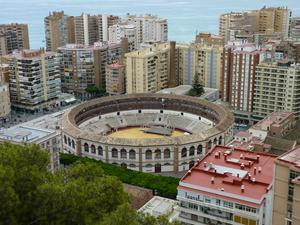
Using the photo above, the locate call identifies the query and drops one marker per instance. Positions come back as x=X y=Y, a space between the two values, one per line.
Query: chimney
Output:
x=205 y=163
x=241 y=156
x=216 y=155
x=212 y=180
x=242 y=166
x=238 y=175
x=257 y=158
x=243 y=188
x=254 y=170
x=172 y=82
x=259 y=169
x=225 y=156
x=253 y=179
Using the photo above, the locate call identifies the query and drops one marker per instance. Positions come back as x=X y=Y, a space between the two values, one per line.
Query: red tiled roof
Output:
x=231 y=169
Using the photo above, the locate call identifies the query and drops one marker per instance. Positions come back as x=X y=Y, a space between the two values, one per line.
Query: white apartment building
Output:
x=34 y=79
x=119 y=31
x=150 y=28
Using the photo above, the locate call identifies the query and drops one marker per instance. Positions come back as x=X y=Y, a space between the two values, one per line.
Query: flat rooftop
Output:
x=232 y=174
x=179 y=90
x=35 y=129
x=161 y=206
x=275 y=119
x=292 y=157
x=24 y=134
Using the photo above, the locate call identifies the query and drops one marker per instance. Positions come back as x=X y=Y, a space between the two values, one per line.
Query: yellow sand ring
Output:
x=138 y=133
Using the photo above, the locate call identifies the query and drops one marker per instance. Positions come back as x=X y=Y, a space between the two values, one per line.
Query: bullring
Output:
x=91 y=129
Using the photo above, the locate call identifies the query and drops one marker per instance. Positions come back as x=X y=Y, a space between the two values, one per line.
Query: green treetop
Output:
x=81 y=194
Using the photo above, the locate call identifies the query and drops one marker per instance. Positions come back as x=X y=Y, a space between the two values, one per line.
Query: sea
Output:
x=185 y=17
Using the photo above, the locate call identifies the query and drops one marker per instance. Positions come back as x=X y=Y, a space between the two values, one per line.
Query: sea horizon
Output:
x=185 y=17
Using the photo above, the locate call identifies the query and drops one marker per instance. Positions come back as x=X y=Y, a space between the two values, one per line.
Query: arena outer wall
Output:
x=172 y=154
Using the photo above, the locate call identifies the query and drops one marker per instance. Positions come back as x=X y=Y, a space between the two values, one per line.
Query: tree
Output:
x=30 y=194
x=197 y=89
x=125 y=215
x=81 y=194
x=94 y=91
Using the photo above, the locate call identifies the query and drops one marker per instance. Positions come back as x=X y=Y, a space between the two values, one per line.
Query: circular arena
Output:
x=146 y=132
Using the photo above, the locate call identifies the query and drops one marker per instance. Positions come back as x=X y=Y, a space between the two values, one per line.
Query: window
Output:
x=192 y=151
x=69 y=142
x=65 y=139
x=148 y=154
x=73 y=144
x=86 y=147
x=207 y=200
x=228 y=204
x=157 y=154
x=209 y=145
x=167 y=154
x=114 y=153
x=93 y=149
x=199 y=150
x=183 y=152
x=100 y=150
x=215 y=141
x=123 y=154
x=132 y=154
x=220 y=140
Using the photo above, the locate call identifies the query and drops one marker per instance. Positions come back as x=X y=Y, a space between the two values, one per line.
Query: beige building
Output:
x=276 y=88
x=4 y=97
x=209 y=39
x=86 y=29
x=286 y=205
x=229 y=21
x=34 y=79
x=83 y=66
x=115 y=78
x=92 y=28
x=59 y=30
x=13 y=36
x=147 y=70
x=273 y=20
x=189 y=60
x=295 y=28
x=266 y=20
x=208 y=64
x=202 y=60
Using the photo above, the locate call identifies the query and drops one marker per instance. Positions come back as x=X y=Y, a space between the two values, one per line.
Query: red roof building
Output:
x=228 y=186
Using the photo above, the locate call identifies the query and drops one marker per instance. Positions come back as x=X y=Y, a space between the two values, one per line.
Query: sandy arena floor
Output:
x=138 y=133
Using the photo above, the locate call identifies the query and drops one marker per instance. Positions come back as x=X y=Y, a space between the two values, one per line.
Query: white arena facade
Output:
x=146 y=132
